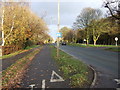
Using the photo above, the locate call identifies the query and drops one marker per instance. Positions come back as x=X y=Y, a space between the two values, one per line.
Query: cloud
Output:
x=68 y=10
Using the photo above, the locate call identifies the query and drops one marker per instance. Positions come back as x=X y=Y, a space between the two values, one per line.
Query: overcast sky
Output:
x=68 y=11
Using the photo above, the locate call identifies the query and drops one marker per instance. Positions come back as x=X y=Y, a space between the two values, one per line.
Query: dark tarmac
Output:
x=39 y=73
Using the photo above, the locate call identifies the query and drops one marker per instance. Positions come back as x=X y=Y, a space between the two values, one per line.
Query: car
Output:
x=63 y=43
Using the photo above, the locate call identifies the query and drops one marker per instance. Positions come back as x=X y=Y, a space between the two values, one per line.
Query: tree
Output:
x=22 y=26
x=99 y=27
x=84 y=19
x=64 y=32
x=113 y=7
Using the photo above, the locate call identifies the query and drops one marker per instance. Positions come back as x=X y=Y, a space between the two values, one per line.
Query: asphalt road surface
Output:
x=104 y=62
x=7 y=62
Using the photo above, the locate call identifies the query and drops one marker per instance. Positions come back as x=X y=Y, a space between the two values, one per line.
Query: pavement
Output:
x=104 y=62
x=44 y=73
x=7 y=62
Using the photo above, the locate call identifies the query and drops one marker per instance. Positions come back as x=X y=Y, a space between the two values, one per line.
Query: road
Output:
x=104 y=62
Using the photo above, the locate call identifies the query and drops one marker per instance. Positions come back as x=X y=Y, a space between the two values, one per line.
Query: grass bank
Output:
x=115 y=49
x=18 y=52
x=106 y=47
x=12 y=75
x=79 y=74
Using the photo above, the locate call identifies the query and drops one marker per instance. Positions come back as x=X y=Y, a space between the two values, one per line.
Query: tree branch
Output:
x=11 y=28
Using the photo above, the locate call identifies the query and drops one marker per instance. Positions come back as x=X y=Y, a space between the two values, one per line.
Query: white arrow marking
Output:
x=43 y=84
x=56 y=80
x=32 y=85
x=117 y=80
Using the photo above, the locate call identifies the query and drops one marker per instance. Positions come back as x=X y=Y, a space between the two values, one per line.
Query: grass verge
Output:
x=12 y=75
x=113 y=49
x=18 y=52
x=79 y=74
x=90 y=45
x=106 y=47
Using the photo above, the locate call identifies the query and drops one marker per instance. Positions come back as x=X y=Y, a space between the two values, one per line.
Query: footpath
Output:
x=7 y=62
x=44 y=73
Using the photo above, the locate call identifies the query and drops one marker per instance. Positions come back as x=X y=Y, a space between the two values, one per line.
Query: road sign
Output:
x=59 y=34
x=60 y=79
x=116 y=38
x=84 y=40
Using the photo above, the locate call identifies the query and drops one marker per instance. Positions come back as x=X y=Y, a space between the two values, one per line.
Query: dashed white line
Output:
x=43 y=84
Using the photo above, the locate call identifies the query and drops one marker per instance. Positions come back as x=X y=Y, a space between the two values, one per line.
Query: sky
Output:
x=69 y=10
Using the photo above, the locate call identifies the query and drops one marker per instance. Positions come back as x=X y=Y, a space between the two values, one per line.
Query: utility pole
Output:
x=3 y=39
x=58 y=28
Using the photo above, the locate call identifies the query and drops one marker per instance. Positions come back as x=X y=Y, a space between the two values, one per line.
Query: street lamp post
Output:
x=58 y=28
x=116 y=39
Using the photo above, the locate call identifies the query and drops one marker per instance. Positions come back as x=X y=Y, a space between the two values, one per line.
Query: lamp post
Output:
x=116 y=39
x=58 y=28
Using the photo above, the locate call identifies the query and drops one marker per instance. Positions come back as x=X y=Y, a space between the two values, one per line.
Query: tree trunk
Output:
x=95 y=42
x=3 y=39
x=87 y=41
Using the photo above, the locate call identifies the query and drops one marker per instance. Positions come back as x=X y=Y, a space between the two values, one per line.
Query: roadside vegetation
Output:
x=79 y=74
x=11 y=77
x=19 y=52
x=115 y=49
x=20 y=27
x=91 y=26
x=105 y=47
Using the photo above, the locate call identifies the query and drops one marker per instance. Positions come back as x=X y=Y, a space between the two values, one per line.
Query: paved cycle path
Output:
x=44 y=73
x=7 y=62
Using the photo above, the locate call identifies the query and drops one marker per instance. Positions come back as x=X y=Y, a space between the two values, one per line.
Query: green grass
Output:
x=74 y=70
x=12 y=74
x=90 y=45
x=12 y=54
x=107 y=47
x=18 y=52
x=33 y=46
x=115 y=49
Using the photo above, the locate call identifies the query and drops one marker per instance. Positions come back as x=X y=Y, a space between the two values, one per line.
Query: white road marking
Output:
x=43 y=84
x=56 y=80
x=117 y=80
x=32 y=85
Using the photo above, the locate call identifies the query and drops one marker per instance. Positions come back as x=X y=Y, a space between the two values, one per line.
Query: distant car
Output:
x=63 y=43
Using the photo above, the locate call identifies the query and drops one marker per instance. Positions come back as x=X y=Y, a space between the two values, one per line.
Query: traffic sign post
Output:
x=59 y=34
x=116 y=39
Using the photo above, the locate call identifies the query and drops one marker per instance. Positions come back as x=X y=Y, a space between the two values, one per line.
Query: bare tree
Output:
x=84 y=19
x=113 y=7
